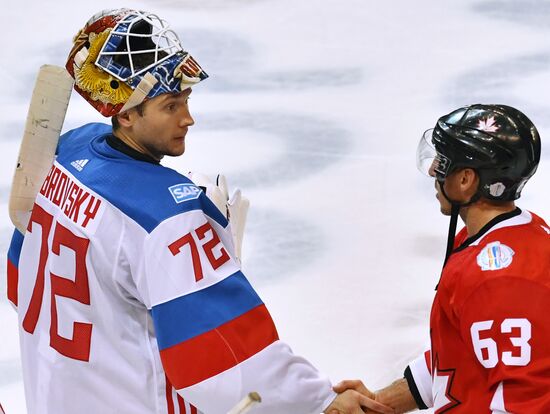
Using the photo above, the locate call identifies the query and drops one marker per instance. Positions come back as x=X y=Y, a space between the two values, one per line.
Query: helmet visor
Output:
x=428 y=161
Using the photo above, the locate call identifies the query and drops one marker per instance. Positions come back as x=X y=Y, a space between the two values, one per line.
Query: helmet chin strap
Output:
x=455 y=210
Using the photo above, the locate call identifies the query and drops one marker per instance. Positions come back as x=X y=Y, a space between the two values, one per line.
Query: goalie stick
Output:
x=47 y=109
x=246 y=403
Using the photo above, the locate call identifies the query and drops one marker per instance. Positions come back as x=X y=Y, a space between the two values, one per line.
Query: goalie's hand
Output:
x=235 y=209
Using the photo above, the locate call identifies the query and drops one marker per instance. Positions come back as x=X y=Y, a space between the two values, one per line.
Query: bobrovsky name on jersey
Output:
x=76 y=202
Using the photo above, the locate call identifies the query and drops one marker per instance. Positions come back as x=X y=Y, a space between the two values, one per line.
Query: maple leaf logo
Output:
x=488 y=125
x=442 y=384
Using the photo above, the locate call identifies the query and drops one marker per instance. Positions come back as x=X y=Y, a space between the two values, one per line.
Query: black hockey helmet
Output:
x=497 y=141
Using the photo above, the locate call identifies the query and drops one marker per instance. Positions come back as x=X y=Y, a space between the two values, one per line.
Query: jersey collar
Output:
x=119 y=145
x=516 y=217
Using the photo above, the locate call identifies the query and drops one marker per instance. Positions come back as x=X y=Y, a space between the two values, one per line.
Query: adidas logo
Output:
x=79 y=164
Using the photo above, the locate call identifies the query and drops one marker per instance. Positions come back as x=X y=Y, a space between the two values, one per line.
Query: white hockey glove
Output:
x=235 y=209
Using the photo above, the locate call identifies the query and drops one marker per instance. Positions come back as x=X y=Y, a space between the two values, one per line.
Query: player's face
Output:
x=162 y=128
x=460 y=185
x=444 y=204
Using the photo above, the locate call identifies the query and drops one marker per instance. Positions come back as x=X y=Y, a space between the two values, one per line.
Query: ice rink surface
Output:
x=314 y=109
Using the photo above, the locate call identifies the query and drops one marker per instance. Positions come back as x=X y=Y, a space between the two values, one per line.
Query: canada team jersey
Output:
x=131 y=301
x=489 y=324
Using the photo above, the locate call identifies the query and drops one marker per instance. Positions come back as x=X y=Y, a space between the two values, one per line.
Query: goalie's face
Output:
x=160 y=128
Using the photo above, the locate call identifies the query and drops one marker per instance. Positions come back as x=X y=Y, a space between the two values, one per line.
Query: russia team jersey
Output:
x=489 y=324
x=130 y=299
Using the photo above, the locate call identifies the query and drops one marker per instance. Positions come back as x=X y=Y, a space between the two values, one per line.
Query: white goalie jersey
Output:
x=130 y=299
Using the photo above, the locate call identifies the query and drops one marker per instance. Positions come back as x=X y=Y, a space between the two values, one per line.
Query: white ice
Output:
x=315 y=108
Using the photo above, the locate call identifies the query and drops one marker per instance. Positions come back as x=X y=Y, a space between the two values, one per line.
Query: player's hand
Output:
x=397 y=395
x=356 y=385
x=353 y=402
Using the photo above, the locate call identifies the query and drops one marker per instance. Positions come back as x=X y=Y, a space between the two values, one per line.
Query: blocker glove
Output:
x=235 y=209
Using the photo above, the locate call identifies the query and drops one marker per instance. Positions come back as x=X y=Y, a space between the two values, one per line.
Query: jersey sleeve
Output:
x=216 y=338
x=419 y=378
x=505 y=322
x=14 y=252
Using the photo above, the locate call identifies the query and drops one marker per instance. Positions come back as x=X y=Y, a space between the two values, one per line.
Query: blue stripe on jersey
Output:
x=188 y=316
x=139 y=189
x=15 y=247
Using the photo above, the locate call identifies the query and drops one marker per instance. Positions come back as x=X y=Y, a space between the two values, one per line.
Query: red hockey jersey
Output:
x=489 y=327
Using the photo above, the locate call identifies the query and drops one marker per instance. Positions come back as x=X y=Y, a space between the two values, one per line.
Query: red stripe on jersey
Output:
x=193 y=409
x=169 y=400
x=13 y=280
x=181 y=405
x=215 y=351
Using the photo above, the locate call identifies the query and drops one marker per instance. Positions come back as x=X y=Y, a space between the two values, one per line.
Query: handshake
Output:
x=354 y=398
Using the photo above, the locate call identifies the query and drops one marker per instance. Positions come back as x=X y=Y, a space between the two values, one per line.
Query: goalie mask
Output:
x=124 y=57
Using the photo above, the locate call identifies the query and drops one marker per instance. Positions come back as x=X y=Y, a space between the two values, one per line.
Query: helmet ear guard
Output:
x=123 y=57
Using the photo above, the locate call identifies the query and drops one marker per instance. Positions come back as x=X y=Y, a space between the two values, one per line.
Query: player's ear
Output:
x=126 y=119
x=469 y=179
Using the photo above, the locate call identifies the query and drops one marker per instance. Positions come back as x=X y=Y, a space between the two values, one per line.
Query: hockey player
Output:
x=127 y=284
x=489 y=326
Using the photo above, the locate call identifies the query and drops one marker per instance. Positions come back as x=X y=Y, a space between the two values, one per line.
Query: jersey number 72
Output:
x=208 y=247
x=77 y=347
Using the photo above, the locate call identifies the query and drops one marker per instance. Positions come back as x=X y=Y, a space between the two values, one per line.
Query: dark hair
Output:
x=140 y=109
